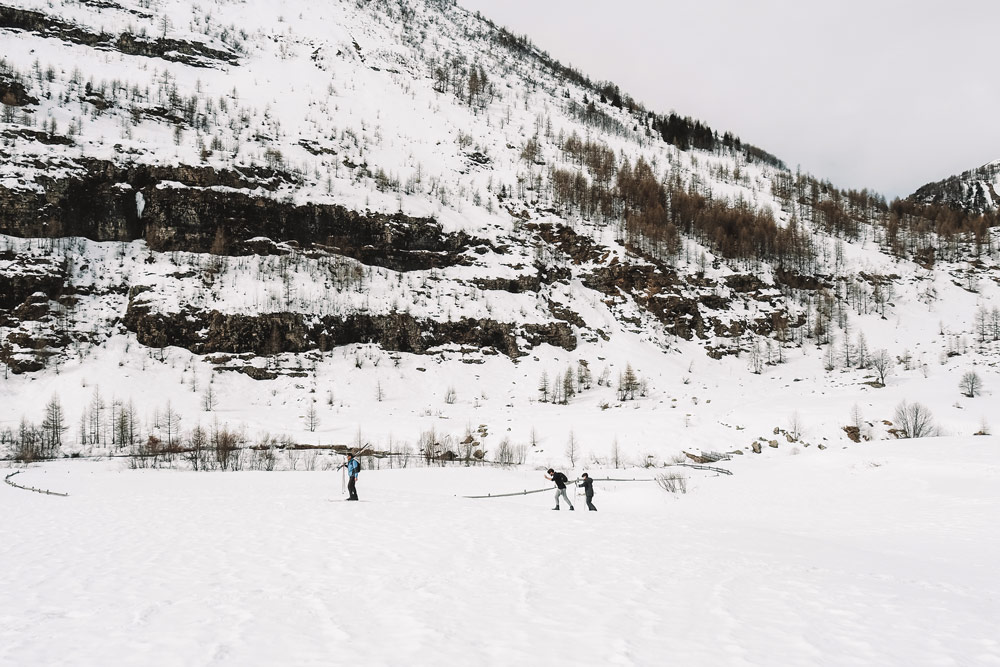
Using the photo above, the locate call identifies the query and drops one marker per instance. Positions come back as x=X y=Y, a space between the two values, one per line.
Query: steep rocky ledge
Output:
x=21 y=278
x=655 y=292
x=273 y=333
x=176 y=208
x=188 y=52
x=13 y=93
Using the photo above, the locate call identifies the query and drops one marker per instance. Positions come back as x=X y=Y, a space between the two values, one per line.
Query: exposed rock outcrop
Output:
x=182 y=210
x=191 y=53
x=13 y=93
x=655 y=291
x=272 y=333
x=580 y=249
x=519 y=285
x=21 y=279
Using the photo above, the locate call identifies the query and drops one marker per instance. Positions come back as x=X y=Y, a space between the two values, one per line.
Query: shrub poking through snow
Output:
x=672 y=482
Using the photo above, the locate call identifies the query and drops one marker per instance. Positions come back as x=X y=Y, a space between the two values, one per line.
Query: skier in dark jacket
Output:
x=588 y=488
x=353 y=470
x=560 y=480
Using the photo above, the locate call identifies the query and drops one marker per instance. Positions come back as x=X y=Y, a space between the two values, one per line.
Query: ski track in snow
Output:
x=804 y=560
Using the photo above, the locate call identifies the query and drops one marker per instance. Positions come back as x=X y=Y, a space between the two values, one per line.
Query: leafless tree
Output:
x=208 y=399
x=982 y=325
x=53 y=427
x=857 y=419
x=572 y=450
x=312 y=417
x=756 y=357
x=830 y=357
x=557 y=389
x=543 y=387
x=27 y=443
x=628 y=384
x=95 y=423
x=914 y=421
x=172 y=424
x=568 y=385
x=505 y=454
x=971 y=384
x=427 y=444
x=848 y=348
x=861 y=350
x=197 y=446
x=226 y=444
x=882 y=362
x=583 y=376
x=795 y=425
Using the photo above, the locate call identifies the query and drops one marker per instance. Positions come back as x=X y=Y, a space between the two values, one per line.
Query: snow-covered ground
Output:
x=877 y=554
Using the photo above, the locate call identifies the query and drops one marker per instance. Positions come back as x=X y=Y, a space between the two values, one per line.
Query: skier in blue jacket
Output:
x=353 y=470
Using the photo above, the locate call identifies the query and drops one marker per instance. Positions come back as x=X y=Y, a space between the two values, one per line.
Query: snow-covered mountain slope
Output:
x=974 y=190
x=394 y=222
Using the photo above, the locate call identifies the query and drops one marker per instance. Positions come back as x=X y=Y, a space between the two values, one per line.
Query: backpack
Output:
x=561 y=478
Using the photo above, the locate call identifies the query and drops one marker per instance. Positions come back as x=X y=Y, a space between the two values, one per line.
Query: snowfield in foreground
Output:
x=883 y=553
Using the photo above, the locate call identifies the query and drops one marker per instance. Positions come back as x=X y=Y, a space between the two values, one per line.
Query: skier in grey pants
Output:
x=560 y=480
x=588 y=488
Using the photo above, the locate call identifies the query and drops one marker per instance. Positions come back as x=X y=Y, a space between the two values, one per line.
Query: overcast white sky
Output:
x=882 y=94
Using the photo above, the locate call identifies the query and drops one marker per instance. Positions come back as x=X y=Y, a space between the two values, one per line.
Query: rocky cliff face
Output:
x=223 y=212
x=22 y=278
x=13 y=93
x=274 y=333
x=199 y=209
x=191 y=53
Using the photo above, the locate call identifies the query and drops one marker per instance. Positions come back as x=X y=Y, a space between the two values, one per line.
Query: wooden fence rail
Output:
x=31 y=488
